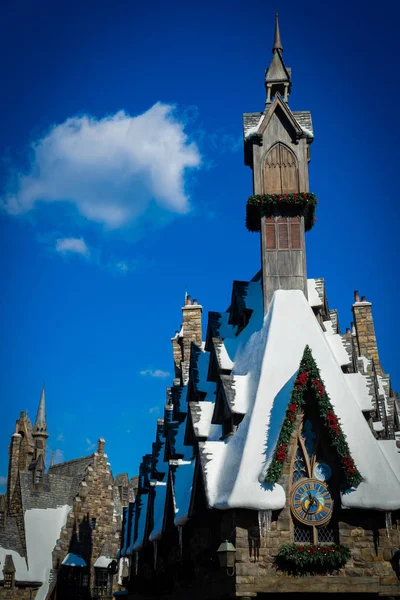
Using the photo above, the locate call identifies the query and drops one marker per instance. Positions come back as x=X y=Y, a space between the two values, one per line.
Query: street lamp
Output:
x=226 y=556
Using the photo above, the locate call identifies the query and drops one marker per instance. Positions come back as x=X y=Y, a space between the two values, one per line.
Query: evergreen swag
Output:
x=308 y=559
x=309 y=377
x=264 y=205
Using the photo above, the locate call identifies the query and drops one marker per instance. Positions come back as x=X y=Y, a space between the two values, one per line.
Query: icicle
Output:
x=155 y=555
x=136 y=562
x=264 y=522
x=180 y=539
x=388 y=519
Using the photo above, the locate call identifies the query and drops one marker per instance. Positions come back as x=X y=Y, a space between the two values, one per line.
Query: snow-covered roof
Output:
x=314 y=297
x=183 y=485
x=102 y=562
x=42 y=529
x=235 y=468
x=358 y=384
x=141 y=508
x=160 y=495
x=202 y=413
x=74 y=560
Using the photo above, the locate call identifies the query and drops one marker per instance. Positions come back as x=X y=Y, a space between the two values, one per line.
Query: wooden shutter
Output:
x=289 y=171
x=270 y=234
x=272 y=172
x=283 y=235
x=295 y=238
x=281 y=175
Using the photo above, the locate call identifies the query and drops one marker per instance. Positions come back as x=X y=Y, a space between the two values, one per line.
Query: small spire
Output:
x=52 y=458
x=41 y=413
x=277 y=37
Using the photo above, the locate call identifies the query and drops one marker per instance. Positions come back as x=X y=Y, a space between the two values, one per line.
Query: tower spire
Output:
x=277 y=37
x=40 y=423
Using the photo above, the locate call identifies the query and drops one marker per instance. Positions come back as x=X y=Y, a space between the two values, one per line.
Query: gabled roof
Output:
x=234 y=469
x=279 y=104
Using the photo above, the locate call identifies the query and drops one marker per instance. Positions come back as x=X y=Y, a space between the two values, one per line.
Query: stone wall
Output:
x=17 y=593
x=95 y=500
x=368 y=571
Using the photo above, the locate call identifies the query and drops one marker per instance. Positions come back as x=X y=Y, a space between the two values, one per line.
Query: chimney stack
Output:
x=365 y=330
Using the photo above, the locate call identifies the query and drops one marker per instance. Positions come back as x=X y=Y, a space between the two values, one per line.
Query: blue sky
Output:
x=123 y=186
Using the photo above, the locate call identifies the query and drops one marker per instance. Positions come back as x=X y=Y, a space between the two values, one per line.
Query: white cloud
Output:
x=74 y=245
x=90 y=445
x=154 y=373
x=60 y=437
x=110 y=168
x=154 y=410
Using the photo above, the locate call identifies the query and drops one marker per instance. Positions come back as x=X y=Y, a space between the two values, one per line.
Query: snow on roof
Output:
x=307 y=132
x=235 y=468
x=42 y=530
x=141 y=522
x=21 y=569
x=102 y=562
x=160 y=495
x=358 y=385
x=338 y=349
x=125 y=530
x=132 y=516
x=329 y=330
x=202 y=413
x=73 y=560
x=392 y=454
x=183 y=490
x=240 y=402
x=224 y=360
x=313 y=296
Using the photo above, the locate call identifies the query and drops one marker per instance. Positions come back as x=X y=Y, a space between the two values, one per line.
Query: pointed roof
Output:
x=277 y=37
x=235 y=469
x=40 y=422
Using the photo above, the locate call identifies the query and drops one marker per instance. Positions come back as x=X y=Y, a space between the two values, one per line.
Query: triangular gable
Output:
x=277 y=104
x=309 y=378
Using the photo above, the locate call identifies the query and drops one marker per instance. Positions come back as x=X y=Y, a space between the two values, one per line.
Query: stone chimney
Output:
x=101 y=445
x=365 y=330
x=191 y=326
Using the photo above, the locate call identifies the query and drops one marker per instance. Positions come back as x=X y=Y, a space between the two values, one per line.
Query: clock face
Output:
x=311 y=502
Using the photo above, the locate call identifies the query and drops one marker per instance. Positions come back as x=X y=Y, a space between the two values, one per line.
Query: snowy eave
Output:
x=314 y=298
x=253 y=131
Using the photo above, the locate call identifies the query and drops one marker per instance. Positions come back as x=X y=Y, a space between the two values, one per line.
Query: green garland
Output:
x=309 y=377
x=264 y=205
x=300 y=560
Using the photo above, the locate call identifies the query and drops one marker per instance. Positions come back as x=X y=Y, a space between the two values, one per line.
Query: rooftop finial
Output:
x=277 y=37
x=41 y=413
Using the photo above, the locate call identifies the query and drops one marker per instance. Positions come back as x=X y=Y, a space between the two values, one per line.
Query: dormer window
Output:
x=8 y=580
x=38 y=477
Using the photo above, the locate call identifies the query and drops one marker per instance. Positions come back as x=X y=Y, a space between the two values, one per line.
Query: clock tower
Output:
x=277 y=149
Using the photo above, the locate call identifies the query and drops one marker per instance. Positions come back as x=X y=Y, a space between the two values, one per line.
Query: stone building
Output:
x=276 y=467
x=60 y=529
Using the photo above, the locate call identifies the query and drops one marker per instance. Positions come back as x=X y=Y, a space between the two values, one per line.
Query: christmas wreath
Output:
x=309 y=376
x=265 y=205
x=301 y=560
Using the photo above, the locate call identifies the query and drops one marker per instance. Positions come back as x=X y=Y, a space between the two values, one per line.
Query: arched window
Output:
x=281 y=172
x=309 y=462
